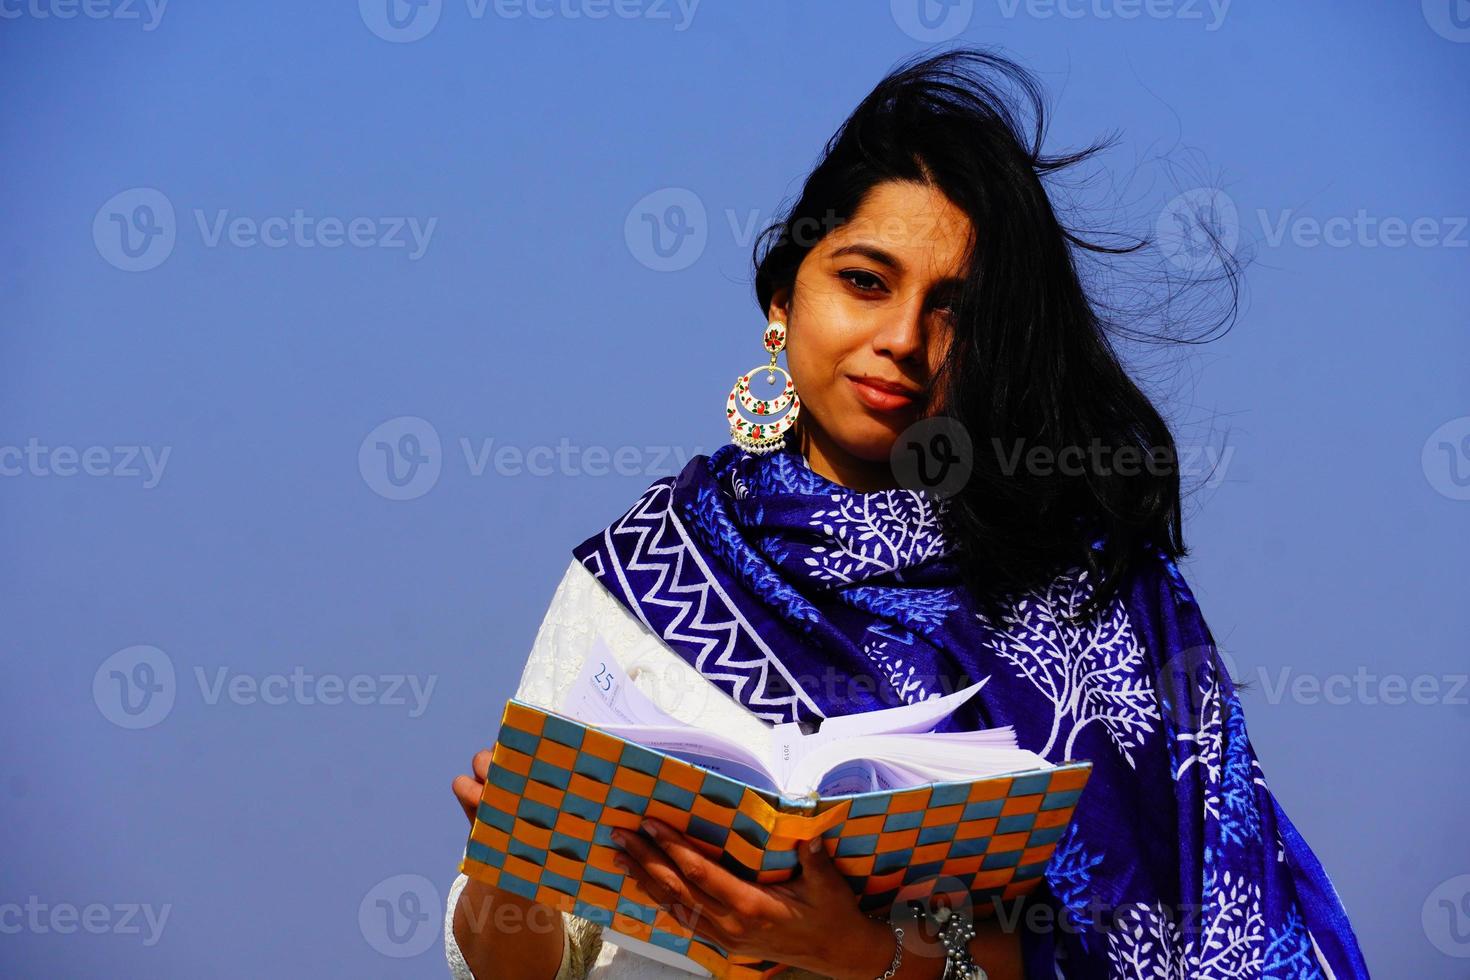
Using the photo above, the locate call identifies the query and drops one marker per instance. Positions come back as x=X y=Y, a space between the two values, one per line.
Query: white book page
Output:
x=605 y=697
x=886 y=749
x=841 y=756
x=790 y=745
x=921 y=716
x=603 y=693
x=915 y=759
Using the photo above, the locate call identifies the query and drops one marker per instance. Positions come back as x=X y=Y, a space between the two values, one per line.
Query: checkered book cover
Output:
x=556 y=788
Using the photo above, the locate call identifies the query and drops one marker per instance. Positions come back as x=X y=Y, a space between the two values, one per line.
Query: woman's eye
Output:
x=862 y=280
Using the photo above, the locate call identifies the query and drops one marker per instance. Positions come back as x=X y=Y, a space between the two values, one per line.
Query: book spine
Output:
x=803 y=804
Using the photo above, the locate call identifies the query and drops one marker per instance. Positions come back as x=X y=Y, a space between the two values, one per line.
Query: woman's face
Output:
x=869 y=324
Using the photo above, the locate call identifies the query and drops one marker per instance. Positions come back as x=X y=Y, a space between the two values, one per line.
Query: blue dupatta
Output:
x=802 y=600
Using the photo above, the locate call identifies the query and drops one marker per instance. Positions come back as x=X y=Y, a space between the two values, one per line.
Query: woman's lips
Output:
x=883 y=396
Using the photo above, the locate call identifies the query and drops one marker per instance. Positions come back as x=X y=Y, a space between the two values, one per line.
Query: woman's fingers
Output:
x=819 y=878
x=713 y=879
x=691 y=916
x=678 y=901
x=673 y=885
x=467 y=789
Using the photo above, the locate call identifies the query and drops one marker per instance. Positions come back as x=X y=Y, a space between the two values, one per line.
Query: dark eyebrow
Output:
x=873 y=252
x=889 y=260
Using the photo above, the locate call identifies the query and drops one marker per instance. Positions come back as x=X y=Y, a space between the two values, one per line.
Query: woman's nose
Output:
x=901 y=333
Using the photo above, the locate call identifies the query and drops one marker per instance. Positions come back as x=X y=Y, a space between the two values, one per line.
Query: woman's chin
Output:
x=873 y=445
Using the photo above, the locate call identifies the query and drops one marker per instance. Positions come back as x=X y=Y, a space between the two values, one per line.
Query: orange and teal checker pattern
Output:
x=556 y=788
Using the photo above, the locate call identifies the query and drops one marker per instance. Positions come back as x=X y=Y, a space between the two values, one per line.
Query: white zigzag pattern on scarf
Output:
x=706 y=619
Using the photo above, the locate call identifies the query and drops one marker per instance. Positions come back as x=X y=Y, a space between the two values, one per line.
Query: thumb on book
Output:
x=814 y=858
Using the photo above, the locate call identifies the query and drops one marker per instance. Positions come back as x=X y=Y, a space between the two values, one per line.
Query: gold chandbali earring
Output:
x=756 y=430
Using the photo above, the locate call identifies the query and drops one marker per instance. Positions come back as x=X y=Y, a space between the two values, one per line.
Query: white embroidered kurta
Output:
x=580 y=610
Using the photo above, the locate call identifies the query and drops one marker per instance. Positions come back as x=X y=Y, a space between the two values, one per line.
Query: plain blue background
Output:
x=1331 y=543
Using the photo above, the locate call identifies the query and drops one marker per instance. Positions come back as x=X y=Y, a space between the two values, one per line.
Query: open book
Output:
x=906 y=813
x=889 y=748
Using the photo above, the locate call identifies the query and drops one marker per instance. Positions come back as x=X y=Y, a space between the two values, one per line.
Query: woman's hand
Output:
x=467 y=789
x=501 y=935
x=812 y=922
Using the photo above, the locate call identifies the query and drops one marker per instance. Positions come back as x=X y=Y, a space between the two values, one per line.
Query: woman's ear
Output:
x=780 y=308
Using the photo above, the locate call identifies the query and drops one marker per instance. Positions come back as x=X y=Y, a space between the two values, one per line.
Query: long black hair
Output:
x=1033 y=363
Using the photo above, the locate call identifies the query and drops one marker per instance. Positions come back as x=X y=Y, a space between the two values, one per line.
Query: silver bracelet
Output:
x=897 y=950
x=956 y=931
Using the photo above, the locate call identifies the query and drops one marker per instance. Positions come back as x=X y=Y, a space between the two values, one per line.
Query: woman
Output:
x=922 y=278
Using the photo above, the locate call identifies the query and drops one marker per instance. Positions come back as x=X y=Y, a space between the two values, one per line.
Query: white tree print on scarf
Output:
x=1146 y=942
x=875 y=533
x=902 y=676
x=1091 y=671
x=1220 y=750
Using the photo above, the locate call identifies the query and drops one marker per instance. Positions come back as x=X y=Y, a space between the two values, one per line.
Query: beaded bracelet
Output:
x=955 y=933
